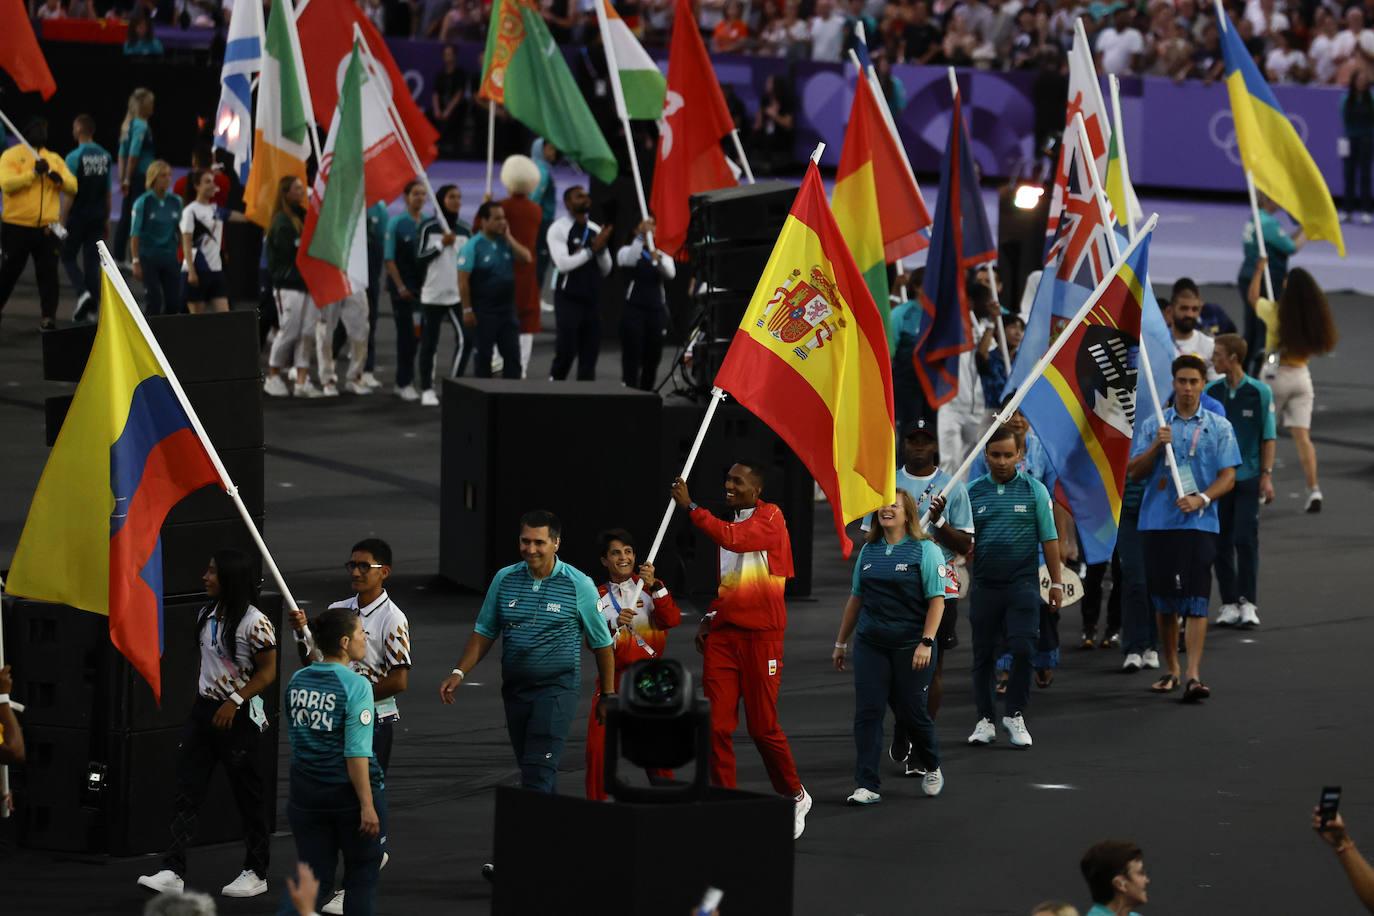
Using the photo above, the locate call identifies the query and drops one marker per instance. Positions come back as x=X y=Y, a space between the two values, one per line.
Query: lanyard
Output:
x=214 y=636
x=610 y=593
x=1197 y=433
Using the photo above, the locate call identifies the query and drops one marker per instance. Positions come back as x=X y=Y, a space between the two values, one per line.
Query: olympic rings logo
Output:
x=1222 y=130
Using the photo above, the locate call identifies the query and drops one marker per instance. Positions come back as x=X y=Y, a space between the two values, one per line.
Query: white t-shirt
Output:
x=1344 y=44
x=388 y=644
x=220 y=673
x=1282 y=64
x=1118 y=48
x=440 y=286
x=1322 y=54
x=827 y=37
x=1278 y=22
x=202 y=223
x=1199 y=344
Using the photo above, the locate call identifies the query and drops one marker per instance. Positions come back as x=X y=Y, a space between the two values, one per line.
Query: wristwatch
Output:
x=927 y=642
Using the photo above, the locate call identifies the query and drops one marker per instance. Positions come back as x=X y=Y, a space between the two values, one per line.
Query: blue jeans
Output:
x=883 y=675
x=1013 y=610
x=538 y=717
x=322 y=835
x=1139 y=630
x=1237 y=561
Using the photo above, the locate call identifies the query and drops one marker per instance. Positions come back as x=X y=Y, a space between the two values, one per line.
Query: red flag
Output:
x=19 y=53
x=695 y=120
x=326 y=29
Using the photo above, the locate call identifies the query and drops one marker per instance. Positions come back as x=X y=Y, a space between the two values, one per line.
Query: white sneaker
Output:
x=983 y=733
x=164 y=882
x=1249 y=615
x=356 y=387
x=1133 y=662
x=247 y=884
x=1016 y=730
x=428 y=398
x=1367 y=218
x=1229 y=616
x=370 y=380
x=862 y=796
x=335 y=905
x=933 y=782
x=275 y=387
x=307 y=389
x=801 y=805
x=1150 y=659
x=408 y=393
x=330 y=390
x=1314 y=501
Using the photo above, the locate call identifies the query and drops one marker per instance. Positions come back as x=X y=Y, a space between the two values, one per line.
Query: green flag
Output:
x=524 y=70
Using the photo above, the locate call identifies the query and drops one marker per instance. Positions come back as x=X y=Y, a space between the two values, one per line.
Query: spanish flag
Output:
x=127 y=453
x=810 y=360
x=1271 y=149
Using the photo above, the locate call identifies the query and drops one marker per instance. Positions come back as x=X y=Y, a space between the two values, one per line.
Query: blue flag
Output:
x=959 y=239
x=242 y=58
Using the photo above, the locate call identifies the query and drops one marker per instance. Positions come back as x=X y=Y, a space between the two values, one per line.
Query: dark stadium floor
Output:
x=1218 y=795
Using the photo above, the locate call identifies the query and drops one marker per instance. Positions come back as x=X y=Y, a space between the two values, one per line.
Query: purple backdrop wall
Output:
x=1179 y=135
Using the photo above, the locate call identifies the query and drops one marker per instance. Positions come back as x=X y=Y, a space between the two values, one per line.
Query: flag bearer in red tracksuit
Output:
x=640 y=632
x=741 y=638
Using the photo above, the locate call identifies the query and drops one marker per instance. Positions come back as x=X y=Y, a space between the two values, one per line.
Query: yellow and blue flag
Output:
x=1271 y=149
x=1083 y=407
x=127 y=453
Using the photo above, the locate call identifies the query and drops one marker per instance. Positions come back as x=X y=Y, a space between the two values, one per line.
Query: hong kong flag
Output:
x=695 y=120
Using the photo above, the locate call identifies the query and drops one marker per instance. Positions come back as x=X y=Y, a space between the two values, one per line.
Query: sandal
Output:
x=1195 y=691
x=1167 y=684
x=1044 y=677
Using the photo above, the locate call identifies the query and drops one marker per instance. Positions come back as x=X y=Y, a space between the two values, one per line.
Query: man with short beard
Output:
x=1184 y=313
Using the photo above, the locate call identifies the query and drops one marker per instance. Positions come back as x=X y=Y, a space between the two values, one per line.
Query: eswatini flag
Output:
x=810 y=360
x=127 y=454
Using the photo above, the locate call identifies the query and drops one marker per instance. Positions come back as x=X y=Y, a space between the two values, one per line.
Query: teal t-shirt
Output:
x=399 y=246
x=491 y=265
x=329 y=718
x=1278 y=245
x=1250 y=408
x=137 y=145
x=542 y=623
x=156 y=224
x=894 y=582
x=91 y=165
x=1010 y=522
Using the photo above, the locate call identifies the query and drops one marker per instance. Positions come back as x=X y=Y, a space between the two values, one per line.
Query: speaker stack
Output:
x=101 y=752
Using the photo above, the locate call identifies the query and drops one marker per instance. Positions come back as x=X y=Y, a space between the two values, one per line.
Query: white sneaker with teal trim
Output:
x=1016 y=730
x=933 y=782
x=863 y=796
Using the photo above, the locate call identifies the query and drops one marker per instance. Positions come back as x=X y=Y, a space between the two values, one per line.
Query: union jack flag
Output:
x=1080 y=251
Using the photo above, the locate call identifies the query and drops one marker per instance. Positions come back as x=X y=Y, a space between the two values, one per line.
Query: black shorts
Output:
x=1178 y=564
x=947 y=636
x=211 y=286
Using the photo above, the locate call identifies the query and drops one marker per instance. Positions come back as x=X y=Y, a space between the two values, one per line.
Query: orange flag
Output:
x=19 y=53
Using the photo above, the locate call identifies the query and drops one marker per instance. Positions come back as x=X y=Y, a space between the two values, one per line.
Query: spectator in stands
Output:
x=448 y=104
x=154 y=238
x=1265 y=18
x=1357 y=115
x=136 y=154
x=788 y=36
x=827 y=32
x=140 y=41
x=774 y=133
x=1347 y=49
x=1357 y=867
x=432 y=16
x=858 y=19
x=1321 y=52
x=731 y=34
x=455 y=22
x=1115 y=872
x=1029 y=39
x=51 y=9
x=960 y=41
x=372 y=9
x=920 y=37
x=1208 y=61
x=894 y=90
x=709 y=15
x=1286 y=63
x=1120 y=46
x=1170 y=52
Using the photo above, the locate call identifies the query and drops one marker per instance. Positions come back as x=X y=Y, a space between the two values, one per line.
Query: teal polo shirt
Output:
x=491 y=266
x=542 y=623
x=137 y=147
x=156 y=224
x=91 y=165
x=399 y=246
x=893 y=583
x=1010 y=522
x=329 y=718
x=1250 y=408
x=1203 y=444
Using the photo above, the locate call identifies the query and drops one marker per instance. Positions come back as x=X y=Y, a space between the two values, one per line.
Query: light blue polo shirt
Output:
x=923 y=490
x=542 y=623
x=1203 y=444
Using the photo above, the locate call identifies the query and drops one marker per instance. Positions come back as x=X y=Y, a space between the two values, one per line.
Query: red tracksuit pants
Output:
x=739 y=665
x=596 y=753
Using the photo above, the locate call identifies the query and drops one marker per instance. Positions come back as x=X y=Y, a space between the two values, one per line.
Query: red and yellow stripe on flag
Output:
x=810 y=360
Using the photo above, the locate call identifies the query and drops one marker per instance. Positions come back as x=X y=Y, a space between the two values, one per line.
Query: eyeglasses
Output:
x=360 y=566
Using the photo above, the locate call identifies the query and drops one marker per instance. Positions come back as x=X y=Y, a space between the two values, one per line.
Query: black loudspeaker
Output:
x=746 y=213
x=242 y=245
x=687 y=556
x=556 y=853
x=201 y=348
x=587 y=451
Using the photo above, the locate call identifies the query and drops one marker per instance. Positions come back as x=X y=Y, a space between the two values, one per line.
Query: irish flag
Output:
x=280 y=145
x=364 y=161
x=639 y=88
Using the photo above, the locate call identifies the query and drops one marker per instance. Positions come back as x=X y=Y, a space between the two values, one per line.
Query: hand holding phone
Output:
x=1329 y=805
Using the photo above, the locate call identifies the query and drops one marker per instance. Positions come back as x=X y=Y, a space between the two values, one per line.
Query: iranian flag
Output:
x=364 y=161
x=639 y=88
x=280 y=145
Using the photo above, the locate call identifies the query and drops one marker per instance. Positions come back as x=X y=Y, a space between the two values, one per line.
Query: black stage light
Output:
x=659 y=720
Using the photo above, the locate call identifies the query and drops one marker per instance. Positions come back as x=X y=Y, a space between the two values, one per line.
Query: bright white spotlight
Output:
x=1028 y=196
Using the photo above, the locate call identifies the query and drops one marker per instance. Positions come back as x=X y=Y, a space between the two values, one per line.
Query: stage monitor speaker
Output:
x=688 y=557
x=746 y=213
x=586 y=451
x=560 y=854
x=216 y=346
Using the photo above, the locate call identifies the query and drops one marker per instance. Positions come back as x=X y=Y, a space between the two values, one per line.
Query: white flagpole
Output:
x=992 y=265
x=618 y=92
x=4 y=770
x=1119 y=137
x=107 y=263
x=872 y=74
x=1012 y=405
x=1259 y=232
x=306 y=101
x=743 y=159
x=491 y=142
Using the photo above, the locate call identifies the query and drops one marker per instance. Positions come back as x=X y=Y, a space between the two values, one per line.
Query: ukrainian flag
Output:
x=1272 y=150
x=127 y=453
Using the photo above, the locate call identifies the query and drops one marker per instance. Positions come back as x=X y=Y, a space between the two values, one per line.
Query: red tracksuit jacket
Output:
x=651 y=628
x=755 y=564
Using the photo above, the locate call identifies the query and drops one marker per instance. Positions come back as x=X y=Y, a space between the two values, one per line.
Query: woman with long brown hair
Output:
x=896 y=601
x=1299 y=327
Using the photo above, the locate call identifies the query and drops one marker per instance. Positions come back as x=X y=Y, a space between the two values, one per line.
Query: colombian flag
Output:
x=1271 y=149
x=810 y=360
x=1083 y=407
x=127 y=453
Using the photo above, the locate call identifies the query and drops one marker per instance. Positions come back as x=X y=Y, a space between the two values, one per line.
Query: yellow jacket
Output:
x=31 y=199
